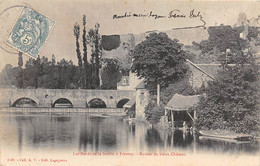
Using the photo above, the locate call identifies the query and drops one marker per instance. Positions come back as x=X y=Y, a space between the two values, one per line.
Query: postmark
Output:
x=30 y=32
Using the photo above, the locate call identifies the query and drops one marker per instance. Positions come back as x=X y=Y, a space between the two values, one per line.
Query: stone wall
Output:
x=78 y=98
x=142 y=99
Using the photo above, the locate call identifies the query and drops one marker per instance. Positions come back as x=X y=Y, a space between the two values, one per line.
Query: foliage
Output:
x=194 y=54
x=232 y=99
x=76 y=31
x=182 y=87
x=87 y=70
x=159 y=59
x=110 y=74
x=220 y=39
x=41 y=73
x=96 y=55
x=8 y=76
x=153 y=112
x=110 y=42
x=226 y=37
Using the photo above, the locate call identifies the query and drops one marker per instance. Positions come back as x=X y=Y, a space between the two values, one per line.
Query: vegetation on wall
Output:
x=220 y=39
x=110 y=42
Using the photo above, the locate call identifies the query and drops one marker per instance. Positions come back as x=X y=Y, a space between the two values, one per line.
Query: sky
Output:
x=65 y=13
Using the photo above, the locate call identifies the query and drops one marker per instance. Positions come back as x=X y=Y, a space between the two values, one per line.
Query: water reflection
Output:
x=82 y=132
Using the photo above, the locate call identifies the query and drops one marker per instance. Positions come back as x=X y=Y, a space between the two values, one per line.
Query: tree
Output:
x=153 y=112
x=232 y=99
x=76 y=30
x=159 y=59
x=96 y=55
x=8 y=76
x=42 y=73
x=76 y=34
x=223 y=37
x=87 y=72
x=110 y=74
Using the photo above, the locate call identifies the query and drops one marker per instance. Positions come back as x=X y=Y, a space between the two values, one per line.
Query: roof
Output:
x=130 y=103
x=209 y=69
x=182 y=103
x=124 y=81
x=141 y=85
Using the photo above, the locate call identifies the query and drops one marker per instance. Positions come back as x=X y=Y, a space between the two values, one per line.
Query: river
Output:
x=81 y=133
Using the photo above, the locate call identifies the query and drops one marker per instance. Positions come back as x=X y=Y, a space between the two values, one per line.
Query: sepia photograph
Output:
x=129 y=82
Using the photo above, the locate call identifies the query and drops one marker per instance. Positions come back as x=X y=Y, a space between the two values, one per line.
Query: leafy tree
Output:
x=96 y=55
x=232 y=99
x=153 y=112
x=42 y=73
x=76 y=30
x=110 y=74
x=159 y=59
x=87 y=69
x=8 y=76
x=32 y=73
x=223 y=37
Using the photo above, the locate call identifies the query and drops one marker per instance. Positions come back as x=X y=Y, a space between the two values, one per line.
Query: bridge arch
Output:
x=96 y=103
x=122 y=102
x=62 y=102
x=26 y=99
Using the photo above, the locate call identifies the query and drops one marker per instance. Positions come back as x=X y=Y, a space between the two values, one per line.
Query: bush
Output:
x=232 y=99
x=153 y=112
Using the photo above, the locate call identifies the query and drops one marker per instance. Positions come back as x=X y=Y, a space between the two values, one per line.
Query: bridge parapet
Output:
x=79 y=98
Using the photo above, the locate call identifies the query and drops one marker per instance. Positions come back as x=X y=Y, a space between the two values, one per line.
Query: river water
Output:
x=82 y=133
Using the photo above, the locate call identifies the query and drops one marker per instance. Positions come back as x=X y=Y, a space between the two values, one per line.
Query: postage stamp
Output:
x=30 y=32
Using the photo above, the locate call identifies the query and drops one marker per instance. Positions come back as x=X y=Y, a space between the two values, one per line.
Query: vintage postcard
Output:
x=129 y=82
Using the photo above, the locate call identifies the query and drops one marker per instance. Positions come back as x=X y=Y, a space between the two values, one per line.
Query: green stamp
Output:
x=30 y=32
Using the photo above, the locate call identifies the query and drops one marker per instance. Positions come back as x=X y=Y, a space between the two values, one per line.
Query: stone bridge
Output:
x=77 y=98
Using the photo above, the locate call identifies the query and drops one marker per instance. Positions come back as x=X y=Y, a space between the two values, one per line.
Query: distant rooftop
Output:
x=124 y=81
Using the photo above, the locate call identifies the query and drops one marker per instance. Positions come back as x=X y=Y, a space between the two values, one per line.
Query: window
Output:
x=124 y=81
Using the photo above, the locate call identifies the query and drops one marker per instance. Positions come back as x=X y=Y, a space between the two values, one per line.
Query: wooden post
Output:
x=158 y=94
x=194 y=117
x=172 y=118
